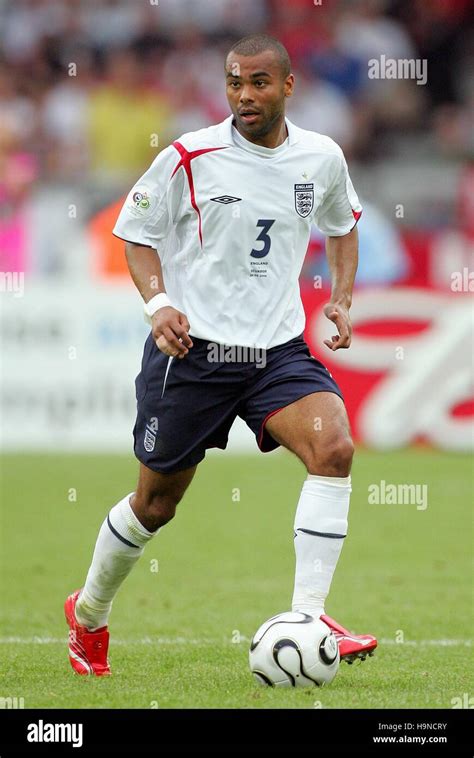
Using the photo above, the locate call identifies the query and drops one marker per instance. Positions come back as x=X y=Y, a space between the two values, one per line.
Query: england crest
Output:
x=304 y=199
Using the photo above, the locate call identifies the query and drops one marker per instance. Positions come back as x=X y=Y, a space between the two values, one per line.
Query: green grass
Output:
x=226 y=566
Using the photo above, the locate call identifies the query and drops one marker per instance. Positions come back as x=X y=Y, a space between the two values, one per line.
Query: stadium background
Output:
x=89 y=92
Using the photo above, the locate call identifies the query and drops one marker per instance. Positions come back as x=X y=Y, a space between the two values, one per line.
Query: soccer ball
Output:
x=294 y=649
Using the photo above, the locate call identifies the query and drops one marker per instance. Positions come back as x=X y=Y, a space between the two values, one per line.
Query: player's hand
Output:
x=339 y=315
x=170 y=331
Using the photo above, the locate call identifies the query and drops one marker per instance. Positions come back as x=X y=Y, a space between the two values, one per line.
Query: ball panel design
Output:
x=288 y=618
x=294 y=650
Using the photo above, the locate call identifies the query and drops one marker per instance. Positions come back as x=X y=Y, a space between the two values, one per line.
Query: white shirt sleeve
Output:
x=145 y=217
x=340 y=209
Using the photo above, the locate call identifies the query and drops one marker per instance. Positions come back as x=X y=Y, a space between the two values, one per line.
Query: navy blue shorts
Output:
x=187 y=405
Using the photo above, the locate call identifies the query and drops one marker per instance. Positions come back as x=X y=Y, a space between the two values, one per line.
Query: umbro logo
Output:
x=226 y=199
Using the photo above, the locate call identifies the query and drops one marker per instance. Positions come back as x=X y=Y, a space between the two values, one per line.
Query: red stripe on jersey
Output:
x=356 y=214
x=185 y=162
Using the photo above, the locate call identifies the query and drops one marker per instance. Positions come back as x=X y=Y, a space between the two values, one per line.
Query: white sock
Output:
x=320 y=528
x=120 y=544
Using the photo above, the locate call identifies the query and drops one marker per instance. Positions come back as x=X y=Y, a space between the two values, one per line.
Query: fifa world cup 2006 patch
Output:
x=140 y=201
x=304 y=199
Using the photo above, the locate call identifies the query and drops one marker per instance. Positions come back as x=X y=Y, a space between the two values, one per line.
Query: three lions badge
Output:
x=304 y=199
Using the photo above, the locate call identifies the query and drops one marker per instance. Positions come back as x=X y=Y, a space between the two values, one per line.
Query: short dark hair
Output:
x=258 y=43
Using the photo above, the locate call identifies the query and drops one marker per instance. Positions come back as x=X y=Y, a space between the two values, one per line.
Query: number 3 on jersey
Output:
x=264 y=237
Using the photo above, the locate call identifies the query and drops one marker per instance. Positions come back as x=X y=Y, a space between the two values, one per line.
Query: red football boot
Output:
x=351 y=646
x=87 y=650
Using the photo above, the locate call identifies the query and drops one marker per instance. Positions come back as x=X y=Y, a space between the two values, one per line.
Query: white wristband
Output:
x=157 y=301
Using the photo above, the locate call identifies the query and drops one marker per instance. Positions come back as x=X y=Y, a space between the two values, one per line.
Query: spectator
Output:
x=64 y=119
x=18 y=170
x=128 y=123
x=382 y=256
x=321 y=107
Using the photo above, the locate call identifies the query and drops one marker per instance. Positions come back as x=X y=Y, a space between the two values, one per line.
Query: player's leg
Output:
x=183 y=408
x=157 y=495
x=316 y=429
x=122 y=538
x=128 y=527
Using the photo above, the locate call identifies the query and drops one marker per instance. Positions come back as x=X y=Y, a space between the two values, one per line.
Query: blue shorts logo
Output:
x=149 y=441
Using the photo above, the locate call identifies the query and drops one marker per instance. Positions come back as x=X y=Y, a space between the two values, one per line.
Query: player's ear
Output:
x=289 y=85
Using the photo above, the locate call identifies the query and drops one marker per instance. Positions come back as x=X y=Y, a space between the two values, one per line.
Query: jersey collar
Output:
x=225 y=132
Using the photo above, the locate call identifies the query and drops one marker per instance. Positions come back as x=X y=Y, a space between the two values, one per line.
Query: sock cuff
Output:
x=323 y=506
x=134 y=522
x=336 y=481
x=126 y=526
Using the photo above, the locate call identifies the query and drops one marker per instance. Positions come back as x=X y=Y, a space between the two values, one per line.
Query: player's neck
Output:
x=274 y=138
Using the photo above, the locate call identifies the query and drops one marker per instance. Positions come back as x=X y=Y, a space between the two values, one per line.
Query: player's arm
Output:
x=342 y=256
x=169 y=326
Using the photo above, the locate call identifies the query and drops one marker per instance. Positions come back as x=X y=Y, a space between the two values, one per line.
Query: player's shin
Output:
x=320 y=528
x=119 y=545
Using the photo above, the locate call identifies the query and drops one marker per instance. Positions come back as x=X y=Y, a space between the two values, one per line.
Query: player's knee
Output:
x=333 y=458
x=155 y=509
x=162 y=508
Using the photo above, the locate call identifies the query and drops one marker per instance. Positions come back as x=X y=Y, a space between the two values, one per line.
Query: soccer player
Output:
x=216 y=232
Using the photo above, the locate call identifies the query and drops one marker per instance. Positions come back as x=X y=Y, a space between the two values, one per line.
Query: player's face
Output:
x=256 y=91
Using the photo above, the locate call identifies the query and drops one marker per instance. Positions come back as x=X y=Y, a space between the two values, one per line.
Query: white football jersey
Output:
x=231 y=222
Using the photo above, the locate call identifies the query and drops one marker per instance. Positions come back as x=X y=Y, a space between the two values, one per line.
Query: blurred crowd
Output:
x=90 y=90
x=84 y=84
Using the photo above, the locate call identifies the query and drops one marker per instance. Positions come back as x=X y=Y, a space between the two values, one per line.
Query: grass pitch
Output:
x=181 y=623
